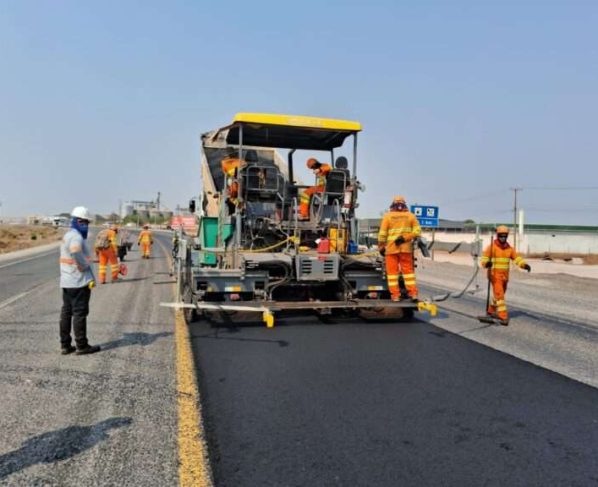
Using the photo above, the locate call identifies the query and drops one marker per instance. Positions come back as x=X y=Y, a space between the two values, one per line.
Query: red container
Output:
x=324 y=246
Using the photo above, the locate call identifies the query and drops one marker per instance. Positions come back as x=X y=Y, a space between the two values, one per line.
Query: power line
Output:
x=562 y=210
x=479 y=196
x=561 y=188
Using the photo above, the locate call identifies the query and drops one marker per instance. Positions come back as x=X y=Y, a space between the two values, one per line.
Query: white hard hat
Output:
x=81 y=212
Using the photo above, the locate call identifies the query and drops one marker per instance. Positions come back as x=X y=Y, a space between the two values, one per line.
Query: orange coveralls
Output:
x=109 y=256
x=501 y=257
x=399 y=258
x=230 y=166
x=145 y=241
x=305 y=197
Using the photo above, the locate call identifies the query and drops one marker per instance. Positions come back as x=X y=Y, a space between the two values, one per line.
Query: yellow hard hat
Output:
x=398 y=199
x=502 y=229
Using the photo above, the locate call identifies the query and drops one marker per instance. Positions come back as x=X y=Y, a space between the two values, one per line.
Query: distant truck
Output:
x=60 y=221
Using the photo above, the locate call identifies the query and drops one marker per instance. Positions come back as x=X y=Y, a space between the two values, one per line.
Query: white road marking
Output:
x=9 y=301
x=39 y=256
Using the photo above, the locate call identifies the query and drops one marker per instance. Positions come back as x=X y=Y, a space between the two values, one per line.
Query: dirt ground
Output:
x=19 y=237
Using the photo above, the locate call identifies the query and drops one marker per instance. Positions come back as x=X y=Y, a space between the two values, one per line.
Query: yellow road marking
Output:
x=194 y=466
x=194 y=469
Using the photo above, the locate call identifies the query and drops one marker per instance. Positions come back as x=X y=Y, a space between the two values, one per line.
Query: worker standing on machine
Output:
x=145 y=241
x=230 y=167
x=321 y=171
x=497 y=259
x=398 y=229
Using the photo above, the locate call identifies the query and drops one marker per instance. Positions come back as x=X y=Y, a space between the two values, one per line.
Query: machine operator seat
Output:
x=337 y=180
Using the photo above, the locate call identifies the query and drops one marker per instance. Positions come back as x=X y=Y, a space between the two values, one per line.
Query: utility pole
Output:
x=515 y=191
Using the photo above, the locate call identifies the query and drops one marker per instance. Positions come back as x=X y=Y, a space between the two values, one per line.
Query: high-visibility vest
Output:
x=396 y=224
x=501 y=257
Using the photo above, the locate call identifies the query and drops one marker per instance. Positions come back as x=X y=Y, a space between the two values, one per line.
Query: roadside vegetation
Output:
x=18 y=237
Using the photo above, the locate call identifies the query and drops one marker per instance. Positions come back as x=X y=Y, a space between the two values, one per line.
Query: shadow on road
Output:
x=126 y=279
x=58 y=445
x=138 y=338
x=218 y=336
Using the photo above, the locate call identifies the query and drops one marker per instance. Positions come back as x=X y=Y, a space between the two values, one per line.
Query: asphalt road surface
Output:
x=307 y=403
x=102 y=419
x=387 y=404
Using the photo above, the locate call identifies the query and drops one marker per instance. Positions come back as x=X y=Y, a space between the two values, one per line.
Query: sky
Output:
x=459 y=100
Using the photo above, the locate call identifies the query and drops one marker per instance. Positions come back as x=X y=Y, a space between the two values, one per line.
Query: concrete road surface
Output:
x=103 y=419
x=307 y=403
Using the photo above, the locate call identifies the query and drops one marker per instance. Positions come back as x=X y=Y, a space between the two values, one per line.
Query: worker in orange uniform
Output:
x=106 y=247
x=398 y=229
x=497 y=259
x=230 y=167
x=145 y=241
x=321 y=171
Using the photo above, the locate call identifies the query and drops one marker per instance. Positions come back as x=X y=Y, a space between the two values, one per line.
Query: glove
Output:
x=91 y=284
x=382 y=252
x=400 y=240
x=527 y=267
x=488 y=265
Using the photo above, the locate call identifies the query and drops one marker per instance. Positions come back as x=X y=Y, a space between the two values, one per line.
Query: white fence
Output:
x=529 y=243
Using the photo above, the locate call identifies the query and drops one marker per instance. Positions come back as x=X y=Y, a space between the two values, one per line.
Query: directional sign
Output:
x=427 y=216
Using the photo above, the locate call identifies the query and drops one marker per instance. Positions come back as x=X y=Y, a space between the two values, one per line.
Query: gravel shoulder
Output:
x=102 y=419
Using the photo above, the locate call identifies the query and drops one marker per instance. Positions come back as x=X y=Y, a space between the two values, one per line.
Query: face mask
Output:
x=81 y=227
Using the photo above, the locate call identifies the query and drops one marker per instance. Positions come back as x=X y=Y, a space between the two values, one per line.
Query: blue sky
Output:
x=460 y=101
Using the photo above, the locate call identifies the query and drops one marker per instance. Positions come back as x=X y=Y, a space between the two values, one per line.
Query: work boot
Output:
x=504 y=322
x=414 y=299
x=87 y=350
x=396 y=299
x=66 y=349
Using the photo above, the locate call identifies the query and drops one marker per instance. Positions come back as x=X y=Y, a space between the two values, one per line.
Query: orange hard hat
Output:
x=312 y=163
x=502 y=229
x=398 y=199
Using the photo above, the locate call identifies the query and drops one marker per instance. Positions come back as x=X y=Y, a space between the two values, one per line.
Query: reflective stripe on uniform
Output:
x=501 y=263
x=409 y=279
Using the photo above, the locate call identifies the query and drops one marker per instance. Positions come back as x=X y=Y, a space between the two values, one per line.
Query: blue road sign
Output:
x=427 y=216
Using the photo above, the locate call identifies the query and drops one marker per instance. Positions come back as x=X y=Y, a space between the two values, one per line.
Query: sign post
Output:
x=427 y=216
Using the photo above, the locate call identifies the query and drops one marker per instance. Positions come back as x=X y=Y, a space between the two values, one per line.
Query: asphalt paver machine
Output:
x=250 y=251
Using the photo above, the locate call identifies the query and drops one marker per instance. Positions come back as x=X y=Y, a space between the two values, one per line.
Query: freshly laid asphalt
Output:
x=386 y=404
x=307 y=403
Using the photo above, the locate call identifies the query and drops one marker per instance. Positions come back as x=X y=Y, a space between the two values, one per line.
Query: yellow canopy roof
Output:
x=290 y=131
x=298 y=121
